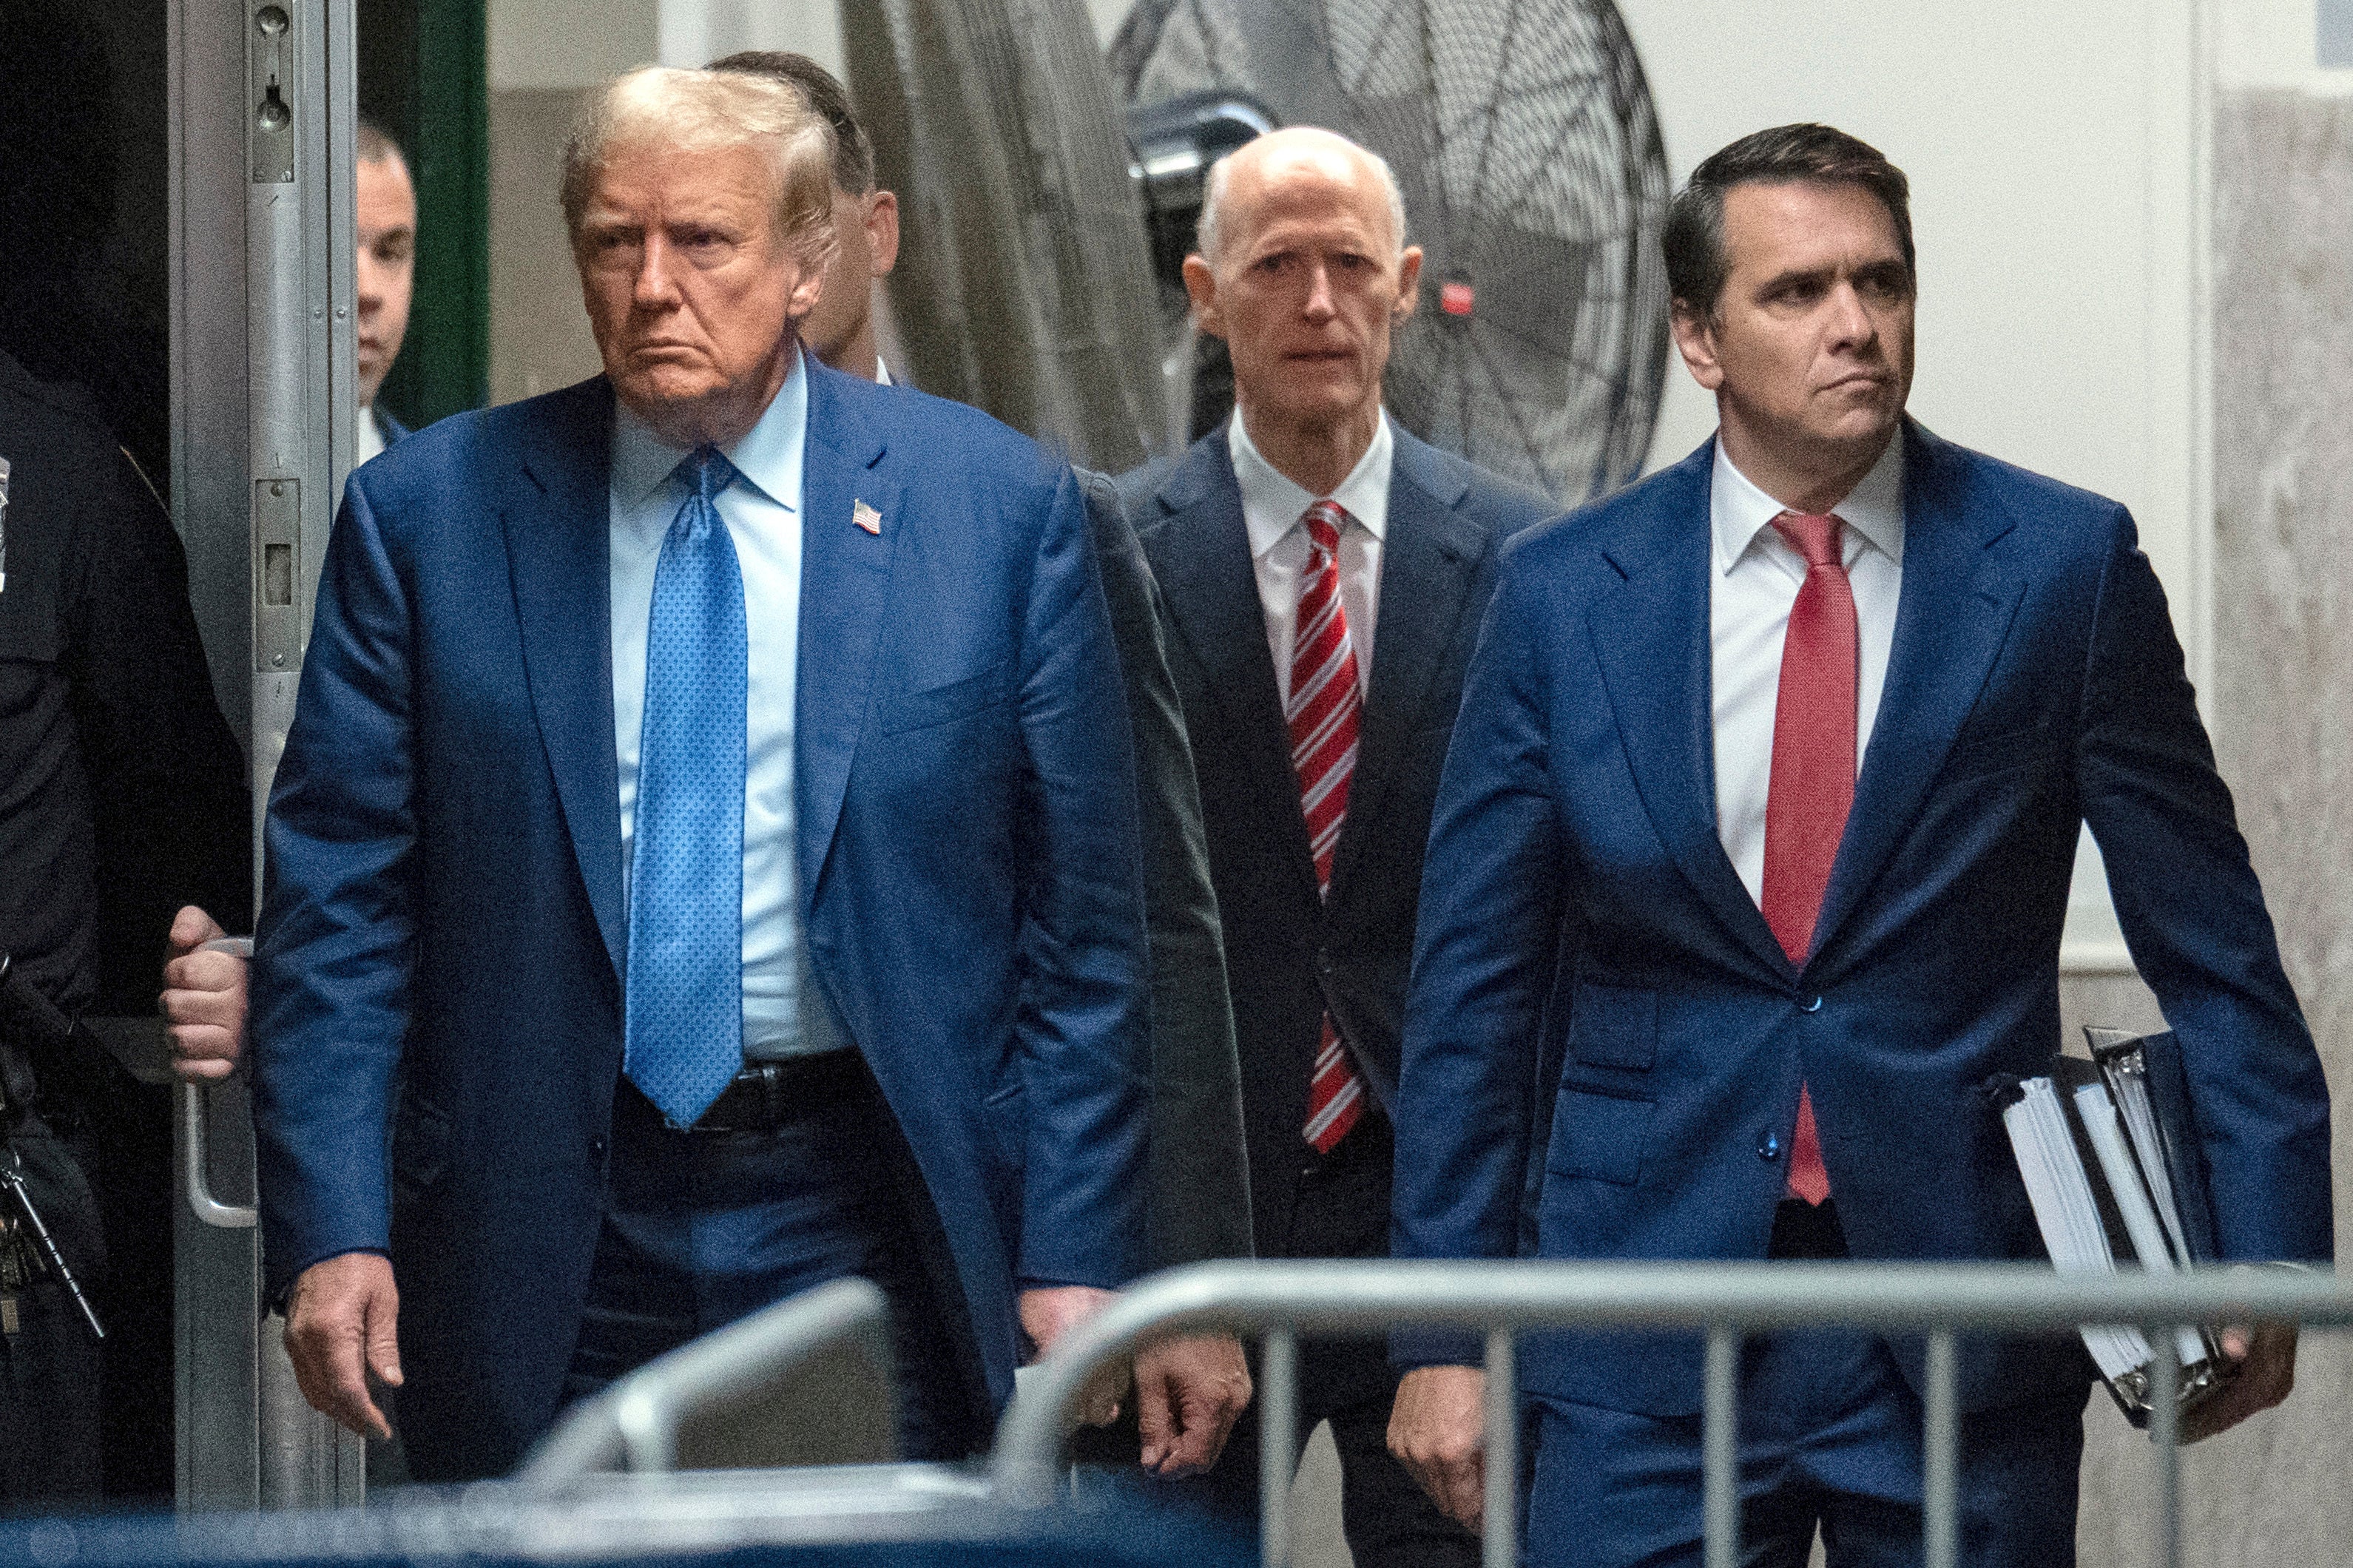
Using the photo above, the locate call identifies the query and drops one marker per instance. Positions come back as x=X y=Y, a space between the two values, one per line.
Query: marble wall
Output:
x=2274 y=1491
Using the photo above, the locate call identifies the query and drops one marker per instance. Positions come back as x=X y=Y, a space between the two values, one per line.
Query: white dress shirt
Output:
x=1753 y=583
x=1272 y=506
x=762 y=511
x=367 y=438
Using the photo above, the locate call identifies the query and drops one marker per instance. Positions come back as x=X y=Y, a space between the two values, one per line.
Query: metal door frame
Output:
x=263 y=370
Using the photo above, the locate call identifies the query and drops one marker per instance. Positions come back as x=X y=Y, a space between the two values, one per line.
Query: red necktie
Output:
x=1322 y=714
x=1812 y=785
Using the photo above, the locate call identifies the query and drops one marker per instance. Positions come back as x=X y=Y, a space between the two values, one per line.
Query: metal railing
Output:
x=807 y=1381
x=1727 y=1301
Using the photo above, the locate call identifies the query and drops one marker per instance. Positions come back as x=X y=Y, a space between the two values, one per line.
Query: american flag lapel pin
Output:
x=866 y=517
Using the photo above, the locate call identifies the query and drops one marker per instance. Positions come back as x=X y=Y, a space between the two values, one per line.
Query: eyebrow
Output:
x=1795 y=275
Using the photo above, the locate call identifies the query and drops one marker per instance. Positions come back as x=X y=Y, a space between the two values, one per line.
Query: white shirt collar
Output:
x=768 y=456
x=1738 y=512
x=369 y=433
x=1276 y=502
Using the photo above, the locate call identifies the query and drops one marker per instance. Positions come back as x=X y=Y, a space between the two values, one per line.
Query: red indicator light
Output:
x=1456 y=298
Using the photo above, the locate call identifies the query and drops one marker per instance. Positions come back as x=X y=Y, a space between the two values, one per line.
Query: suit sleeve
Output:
x=332 y=951
x=1197 y=1176
x=1081 y=1031
x=2193 y=917
x=1485 y=954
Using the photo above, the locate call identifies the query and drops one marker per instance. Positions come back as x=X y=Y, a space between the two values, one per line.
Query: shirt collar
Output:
x=1274 y=502
x=767 y=456
x=1738 y=512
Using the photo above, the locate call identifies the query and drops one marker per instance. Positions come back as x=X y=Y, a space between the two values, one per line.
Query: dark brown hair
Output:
x=372 y=144
x=1817 y=154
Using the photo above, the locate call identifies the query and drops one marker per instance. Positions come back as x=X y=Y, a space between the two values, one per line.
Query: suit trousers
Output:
x=1829 y=1437
x=701 y=1229
x=1341 y=1210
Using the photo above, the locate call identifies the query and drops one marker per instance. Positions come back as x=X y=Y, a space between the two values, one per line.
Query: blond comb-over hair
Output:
x=703 y=112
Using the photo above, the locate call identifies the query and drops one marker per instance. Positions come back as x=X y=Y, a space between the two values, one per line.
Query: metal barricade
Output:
x=1727 y=1301
x=805 y=1381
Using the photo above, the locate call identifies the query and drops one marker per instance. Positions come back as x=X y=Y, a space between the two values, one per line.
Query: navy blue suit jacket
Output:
x=1595 y=996
x=1289 y=954
x=444 y=908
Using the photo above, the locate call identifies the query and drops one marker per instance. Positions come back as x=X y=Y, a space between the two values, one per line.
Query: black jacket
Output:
x=123 y=793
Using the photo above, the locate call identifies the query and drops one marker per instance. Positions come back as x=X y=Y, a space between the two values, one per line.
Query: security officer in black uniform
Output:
x=122 y=795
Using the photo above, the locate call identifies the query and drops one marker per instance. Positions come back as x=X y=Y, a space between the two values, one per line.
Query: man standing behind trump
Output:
x=707 y=834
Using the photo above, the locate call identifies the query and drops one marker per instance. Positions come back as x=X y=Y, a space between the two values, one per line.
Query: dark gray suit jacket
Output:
x=1199 y=1203
x=1289 y=954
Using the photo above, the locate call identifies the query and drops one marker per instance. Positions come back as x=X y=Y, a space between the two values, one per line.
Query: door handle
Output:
x=194 y=1117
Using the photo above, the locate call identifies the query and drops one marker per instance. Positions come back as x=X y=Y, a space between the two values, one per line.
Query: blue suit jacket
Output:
x=1593 y=984
x=444 y=906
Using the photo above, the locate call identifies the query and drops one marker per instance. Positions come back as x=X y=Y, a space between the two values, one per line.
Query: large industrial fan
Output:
x=1024 y=284
x=1521 y=134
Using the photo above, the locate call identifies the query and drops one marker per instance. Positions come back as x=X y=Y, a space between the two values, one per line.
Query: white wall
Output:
x=542 y=45
x=695 y=31
x=2275 y=43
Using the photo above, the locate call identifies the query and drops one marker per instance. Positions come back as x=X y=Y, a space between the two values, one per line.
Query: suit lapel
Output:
x=845 y=579
x=1429 y=556
x=558 y=519
x=1652 y=640
x=1957 y=601
x=1203 y=562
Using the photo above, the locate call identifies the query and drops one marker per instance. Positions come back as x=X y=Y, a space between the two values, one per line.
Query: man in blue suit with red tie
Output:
x=709 y=838
x=1745 y=884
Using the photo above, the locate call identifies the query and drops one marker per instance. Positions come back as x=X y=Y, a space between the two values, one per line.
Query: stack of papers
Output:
x=2112 y=1169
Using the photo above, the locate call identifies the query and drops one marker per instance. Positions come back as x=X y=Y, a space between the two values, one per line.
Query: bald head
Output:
x=1303 y=271
x=1287 y=158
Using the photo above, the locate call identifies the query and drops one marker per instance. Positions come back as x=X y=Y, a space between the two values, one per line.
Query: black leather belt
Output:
x=767 y=1095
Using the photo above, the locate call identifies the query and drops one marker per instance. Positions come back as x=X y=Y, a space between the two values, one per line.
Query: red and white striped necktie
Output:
x=1322 y=713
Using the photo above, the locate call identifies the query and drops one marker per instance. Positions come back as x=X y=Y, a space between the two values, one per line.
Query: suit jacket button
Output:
x=597 y=1147
x=1812 y=1005
x=1769 y=1144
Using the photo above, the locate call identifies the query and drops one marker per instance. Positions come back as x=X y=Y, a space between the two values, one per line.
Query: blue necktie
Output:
x=685 y=1006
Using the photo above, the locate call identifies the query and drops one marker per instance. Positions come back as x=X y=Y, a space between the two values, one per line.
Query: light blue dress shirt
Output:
x=784 y=1013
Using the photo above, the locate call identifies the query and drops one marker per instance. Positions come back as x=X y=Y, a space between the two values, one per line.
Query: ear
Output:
x=1201 y=287
x=882 y=231
x=803 y=297
x=1409 y=283
x=1696 y=340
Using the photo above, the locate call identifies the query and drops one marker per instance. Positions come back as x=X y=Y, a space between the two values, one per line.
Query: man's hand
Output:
x=1050 y=1312
x=342 y=1319
x=2266 y=1358
x=1189 y=1389
x=203 y=998
x=1438 y=1430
